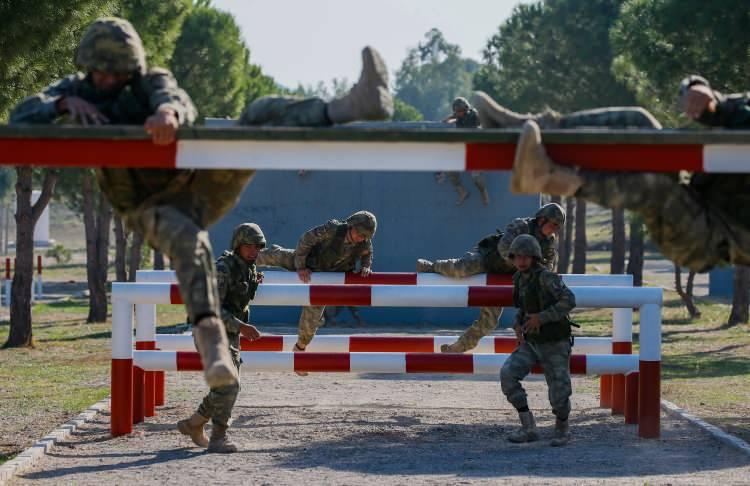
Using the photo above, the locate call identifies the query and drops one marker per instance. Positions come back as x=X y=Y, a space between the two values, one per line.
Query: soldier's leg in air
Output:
x=472 y=263
x=310 y=320
x=276 y=256
x=487 y=322
x=555 y=359
x=355 y=314
x=369 y=99
x=479 y=181
x=514 y=370
x=493 y=115
x=188 y=247
x=455 y=179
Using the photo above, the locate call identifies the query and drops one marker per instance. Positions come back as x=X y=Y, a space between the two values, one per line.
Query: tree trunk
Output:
x=26 y=217
x=121 y=246
x=566 y=241
x=617 y=262
x=3 y=229
x=686 y=295
x=740 y=296
x=579 y=256
x=96 y=225
x=635 y=260
x=158 y=260
x=136 y=251
x=6 y=235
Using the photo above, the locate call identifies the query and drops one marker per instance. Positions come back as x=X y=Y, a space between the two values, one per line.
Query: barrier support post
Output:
x=649 y=381
x=631 y=398
x=122 y=368
x=145 y=339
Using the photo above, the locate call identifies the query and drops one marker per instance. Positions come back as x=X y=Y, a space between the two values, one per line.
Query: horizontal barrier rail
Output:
x=333 y=343
x=369 y=149
x=399 y=278
x=393 y=295
x=479 y=364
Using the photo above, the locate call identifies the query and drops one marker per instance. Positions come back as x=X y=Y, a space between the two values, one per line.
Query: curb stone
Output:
x=30 y=456
x=712 y=430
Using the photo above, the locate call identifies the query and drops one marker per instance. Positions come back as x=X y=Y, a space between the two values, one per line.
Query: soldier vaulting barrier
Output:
x=492 y=255
x=172 y=208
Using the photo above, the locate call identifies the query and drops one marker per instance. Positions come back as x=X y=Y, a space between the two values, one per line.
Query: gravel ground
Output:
x=386 y=429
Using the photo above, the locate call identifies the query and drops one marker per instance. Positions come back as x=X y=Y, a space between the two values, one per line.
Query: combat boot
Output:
x=457 y=347
x=220 y=442
x=370 y=98
x=562 y=433
x=193 y=427
x=527 y=432
x=534 y=172
x=211 y=341
x=425 y=266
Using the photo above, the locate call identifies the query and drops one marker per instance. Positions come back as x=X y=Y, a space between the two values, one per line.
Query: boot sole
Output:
x=523 y=169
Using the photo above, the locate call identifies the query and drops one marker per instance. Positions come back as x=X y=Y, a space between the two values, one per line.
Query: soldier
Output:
x=464 y=116
x=492 y=255
x=700 y=223
x=237 y=281
x=332 y=247
x=172 y=208
x=542 y=328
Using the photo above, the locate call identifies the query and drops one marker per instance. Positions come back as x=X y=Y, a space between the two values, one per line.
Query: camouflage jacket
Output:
x=469 y=120
x=324 y=248
x=237 y=281
x=132 y=105
x=540 y=291
x=526 y=226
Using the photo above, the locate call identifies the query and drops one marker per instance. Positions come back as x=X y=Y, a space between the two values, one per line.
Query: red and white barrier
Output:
x=334 y=343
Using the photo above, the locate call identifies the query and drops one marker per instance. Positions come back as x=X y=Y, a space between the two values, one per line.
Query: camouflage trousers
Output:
x=219 y=402
x=286 y=111
x=554 y=358
x=311 y=317
x=476 y=176
x=472 y=263
x=688 y=229
x=612 y=117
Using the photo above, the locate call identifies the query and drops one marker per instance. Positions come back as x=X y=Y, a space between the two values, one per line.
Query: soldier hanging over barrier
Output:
x=492 y=255
x=464 y=116
x=335 y=246
x=237 y=281
x=172 y=208
x=542 y=328
x=699 y=224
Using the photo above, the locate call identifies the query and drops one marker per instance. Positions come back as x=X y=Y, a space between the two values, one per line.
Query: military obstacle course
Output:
x=633 y=386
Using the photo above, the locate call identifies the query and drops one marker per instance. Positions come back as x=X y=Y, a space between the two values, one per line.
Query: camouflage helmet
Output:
x=525 y=245
x=552 y=212
x=111 y=45
x=461 y=103
x=364 y=222
x=248 y=234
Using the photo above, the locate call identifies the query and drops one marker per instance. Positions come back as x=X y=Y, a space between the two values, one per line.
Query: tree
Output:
x=617 y=261
x=210 y=61
x=433 y=74
x=687 y=294
x=258 y=84
x=158 y=22
x=579 y=257
x=403 y=111
x=740 y=296
x=635 y=252
x=658 y=42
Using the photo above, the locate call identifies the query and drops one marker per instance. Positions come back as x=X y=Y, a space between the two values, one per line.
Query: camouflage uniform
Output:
x=325 y=248
x=701 y=224
x=491 y=256
x=469 y=120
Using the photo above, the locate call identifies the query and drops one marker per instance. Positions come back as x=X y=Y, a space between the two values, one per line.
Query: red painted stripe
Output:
x=174 y=294
x=505 y=344
x=330 y=362
x=622 y=348
x=121 y=422
x=649 y=399
x=139 y=385
x=607 y=157
x=499 y=279
x=189 y=361
x=439 y=363
x=87 y=153
x=340 y=295
x=386 y=344
x=577 y=365
x=265 y=343
x=39 y=264
x=494 y=296
x=631 y=398
x=394 y=278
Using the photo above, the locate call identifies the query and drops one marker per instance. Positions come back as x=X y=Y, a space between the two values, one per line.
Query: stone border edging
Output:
x=30 y=456
x=714 y=431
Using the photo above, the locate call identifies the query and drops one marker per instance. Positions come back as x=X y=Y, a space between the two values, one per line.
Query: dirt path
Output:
x=386 y=429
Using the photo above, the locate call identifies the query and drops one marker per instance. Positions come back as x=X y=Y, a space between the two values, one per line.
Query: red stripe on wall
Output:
x=265 y=343
x=87 y=153
x=439 y=363
x=330 y=362
x=490 y=156
x=395 y=278
x=494 y=296
x=340 y=295
x=386 y=344
x=189 y=361
x=174 y=294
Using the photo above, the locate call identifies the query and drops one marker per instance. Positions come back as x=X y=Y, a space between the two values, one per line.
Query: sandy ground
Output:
x=386 y=429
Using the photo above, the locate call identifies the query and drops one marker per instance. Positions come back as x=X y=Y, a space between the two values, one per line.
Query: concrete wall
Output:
x=417 y=218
